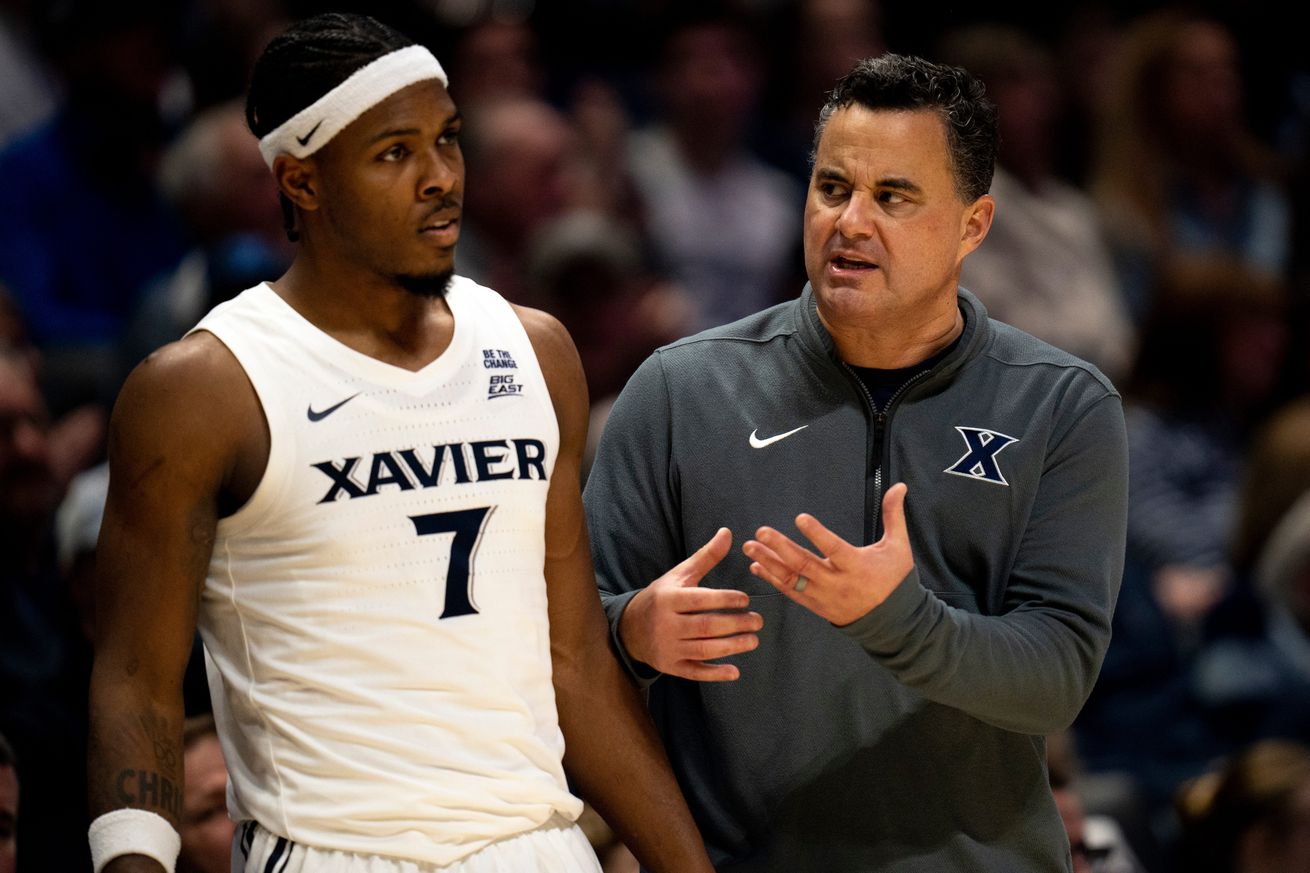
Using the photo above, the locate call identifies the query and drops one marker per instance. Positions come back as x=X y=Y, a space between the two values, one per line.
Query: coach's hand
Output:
x=674 y=626
x=848 y=581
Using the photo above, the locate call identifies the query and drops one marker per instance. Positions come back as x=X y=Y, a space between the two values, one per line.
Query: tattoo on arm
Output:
x=167 y=755
x=146 y=788
x=160 y=787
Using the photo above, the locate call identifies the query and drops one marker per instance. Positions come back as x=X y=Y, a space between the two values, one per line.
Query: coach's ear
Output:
x=297 y=180
x=977 y=220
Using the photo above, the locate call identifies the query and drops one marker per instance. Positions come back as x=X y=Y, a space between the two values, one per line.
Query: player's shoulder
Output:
x=561 y=366
x=541 y=326
x=198 y=357
x=543 y=329
x=550 y=339
x=190 y=378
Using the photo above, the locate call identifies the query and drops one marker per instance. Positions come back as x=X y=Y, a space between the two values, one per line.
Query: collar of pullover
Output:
x=819 y=343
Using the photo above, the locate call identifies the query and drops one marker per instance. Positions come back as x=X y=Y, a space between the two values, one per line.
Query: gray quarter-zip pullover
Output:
x=910 y=740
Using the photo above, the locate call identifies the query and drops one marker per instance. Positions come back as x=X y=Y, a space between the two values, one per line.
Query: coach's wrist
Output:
x=633 y=626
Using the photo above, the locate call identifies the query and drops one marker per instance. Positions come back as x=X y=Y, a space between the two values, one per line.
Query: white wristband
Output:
x=133 y=832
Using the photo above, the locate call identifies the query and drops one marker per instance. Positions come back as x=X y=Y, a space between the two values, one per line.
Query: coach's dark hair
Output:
x=893 y=81
x=305 y=62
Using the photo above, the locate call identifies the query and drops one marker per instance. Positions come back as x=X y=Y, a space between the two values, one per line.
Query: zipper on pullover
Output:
x=874 y=461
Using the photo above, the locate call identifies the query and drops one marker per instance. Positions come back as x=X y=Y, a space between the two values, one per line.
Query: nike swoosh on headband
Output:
x=304 y=140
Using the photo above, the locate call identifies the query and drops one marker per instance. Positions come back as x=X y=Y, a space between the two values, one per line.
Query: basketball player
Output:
x=361 y=481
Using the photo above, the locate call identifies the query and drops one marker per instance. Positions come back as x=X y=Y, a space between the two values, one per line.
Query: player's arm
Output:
x=174 y=442
x=612 y=752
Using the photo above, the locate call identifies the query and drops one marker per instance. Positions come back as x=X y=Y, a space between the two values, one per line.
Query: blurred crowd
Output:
x=638 y=169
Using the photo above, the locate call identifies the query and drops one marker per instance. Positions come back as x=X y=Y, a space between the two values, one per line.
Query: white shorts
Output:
x=558 y=846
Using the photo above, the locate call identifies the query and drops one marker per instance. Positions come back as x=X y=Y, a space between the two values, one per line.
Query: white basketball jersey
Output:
x=375 y=616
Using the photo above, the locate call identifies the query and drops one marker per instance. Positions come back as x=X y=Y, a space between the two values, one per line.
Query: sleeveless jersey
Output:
x=374 y=617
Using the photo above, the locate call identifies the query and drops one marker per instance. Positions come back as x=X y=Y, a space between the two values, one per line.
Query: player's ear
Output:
x=297 y=179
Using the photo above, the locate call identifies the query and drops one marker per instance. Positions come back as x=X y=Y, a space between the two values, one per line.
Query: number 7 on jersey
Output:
x=466 y=525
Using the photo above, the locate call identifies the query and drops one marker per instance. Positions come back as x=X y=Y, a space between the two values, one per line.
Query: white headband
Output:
x=314 y=126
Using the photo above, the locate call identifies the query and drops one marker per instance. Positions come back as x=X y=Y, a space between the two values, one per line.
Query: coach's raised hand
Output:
x=848 y=581
x=675 y=626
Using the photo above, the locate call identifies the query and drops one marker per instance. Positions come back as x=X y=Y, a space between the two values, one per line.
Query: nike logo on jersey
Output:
x=757 y=443
x=979 y=461
x=304 y=140
x=319 y=416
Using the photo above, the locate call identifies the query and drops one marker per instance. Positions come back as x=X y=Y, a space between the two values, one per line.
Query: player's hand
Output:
x=848 y=581
x=675 y=626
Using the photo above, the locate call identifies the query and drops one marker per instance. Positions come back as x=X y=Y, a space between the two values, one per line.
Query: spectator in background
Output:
x=8 y=808
x=517 y=146
x=1085 y=47
x=76 y=440
x=1254 y=672
x=13 y=331
x=1256 y=683
x=1203 y=381
x=206 y=829
x=82 y=225
x=1096 y=841
x=1179 y=170
x=520 y=155
x=1046 y=268
x=1278 y=474
x=214 y=177
x=497 y=59
x=77 y=527
x=27 y=90
x=43 y=660
x=1296 y=146
x=833 y=36
x=1205 y=377
x=592 y=276
x=219 y=42
x=817 y=42
x=1251 y=815
x=722 y=223
x=605 y=181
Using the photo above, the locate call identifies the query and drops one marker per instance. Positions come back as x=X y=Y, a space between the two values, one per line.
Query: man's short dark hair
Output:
x=306 y=61
x=894 y=82
x=309 y=59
